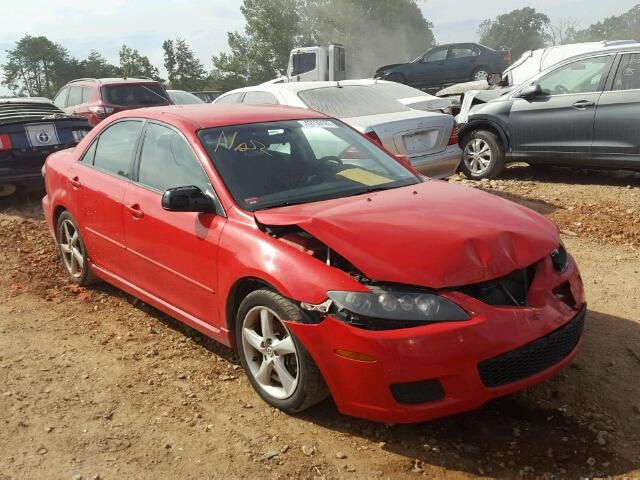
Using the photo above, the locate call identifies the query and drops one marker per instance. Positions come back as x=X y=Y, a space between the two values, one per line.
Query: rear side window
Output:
x=231 y=98
x=628 y=74
x=75 y=96
x=350 y=101
x=167 y=161
x=116 y=146
x=464 y=51
x=129 y=95
x=260 y=98
x=303 y=62
x=87 y=94
x=89 y=155
x=61 y=99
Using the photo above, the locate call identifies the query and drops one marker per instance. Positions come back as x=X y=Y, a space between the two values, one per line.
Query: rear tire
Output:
x=482 y=155
x=278 y=366
x=480 y=73
x=73 y=251
x=397 y=77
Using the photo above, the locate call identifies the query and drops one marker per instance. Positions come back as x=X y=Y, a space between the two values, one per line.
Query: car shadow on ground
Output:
x=549 y=429
x=577 y=176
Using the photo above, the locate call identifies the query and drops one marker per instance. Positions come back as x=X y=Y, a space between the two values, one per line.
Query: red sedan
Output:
x=328 y=264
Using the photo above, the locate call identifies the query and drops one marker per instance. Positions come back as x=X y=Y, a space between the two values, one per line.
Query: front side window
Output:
x=581 y=76
x=231 y=98
x=61 y=99
x=116 y=147
x=260 y=98
x=274 y=164
x=628 y=74
x=303 y=63
x=436 y=55
x=167 y=161
x=350 y=101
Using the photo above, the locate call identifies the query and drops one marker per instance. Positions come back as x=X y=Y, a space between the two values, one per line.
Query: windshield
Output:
x=350 y=101
x=275 y=164
x=147 y=94
x=183 y=98
x=398 y=90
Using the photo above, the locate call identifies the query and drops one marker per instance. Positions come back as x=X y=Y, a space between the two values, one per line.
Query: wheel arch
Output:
x=484 y=125
x=57 y=211
x=240 y=289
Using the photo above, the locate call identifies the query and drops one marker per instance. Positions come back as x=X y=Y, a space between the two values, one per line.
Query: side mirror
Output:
x=187 y=199
x=531 y=91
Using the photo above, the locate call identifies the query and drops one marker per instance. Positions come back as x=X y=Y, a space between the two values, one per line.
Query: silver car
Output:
x=428 y=139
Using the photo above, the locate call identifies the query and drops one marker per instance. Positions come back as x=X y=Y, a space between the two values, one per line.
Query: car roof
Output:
x=209 y=115
x=112 y=81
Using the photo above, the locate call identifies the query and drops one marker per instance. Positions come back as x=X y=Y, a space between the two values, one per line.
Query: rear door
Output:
x=616 y=137
x=173 y=255
x=100 y=180
x=558 y=124
x=462 y=60
x=430 y=70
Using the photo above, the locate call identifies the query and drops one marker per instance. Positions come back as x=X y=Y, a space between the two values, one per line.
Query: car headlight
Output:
x=398 y=304
x=560 y=259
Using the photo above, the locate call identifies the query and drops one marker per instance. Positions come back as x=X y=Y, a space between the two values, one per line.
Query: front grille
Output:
x=510 y=290
x=417 y=392
x=533 y=357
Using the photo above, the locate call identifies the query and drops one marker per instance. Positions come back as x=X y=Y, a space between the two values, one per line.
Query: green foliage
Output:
x=96 y=66
x=518 y=31
x=133 y=64
x=375 y=32
x=184 y=70
x=37 y=67
x=622 y=27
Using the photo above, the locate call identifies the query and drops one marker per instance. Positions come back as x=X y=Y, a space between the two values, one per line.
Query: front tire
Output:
x=278 y=366
x=482 y=155
x=73 y=251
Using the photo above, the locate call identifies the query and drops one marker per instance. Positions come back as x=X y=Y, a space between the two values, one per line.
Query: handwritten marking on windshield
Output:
x=244 y=147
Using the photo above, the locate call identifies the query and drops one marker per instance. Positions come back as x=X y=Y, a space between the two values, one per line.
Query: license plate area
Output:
x=42 y=134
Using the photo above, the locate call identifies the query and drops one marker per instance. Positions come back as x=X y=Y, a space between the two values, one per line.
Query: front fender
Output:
x=484 y=124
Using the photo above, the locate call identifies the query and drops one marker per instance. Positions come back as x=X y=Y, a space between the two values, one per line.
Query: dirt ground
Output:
x=94 y=384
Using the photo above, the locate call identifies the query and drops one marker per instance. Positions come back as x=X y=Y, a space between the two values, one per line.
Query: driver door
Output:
x=558 y=123
x=430 y=70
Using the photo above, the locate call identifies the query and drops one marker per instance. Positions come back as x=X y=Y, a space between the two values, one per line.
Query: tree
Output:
x=519 y=30
x=133 y=64
x=185 y=71
x=36 y=66
x=375 y=32
x=622 y=27
x=96 y=66
x=563 y=31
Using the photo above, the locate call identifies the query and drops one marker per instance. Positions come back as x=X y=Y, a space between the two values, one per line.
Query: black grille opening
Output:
x=417 y=392
x=534 y=357
x=510 y=290
x=563 y=293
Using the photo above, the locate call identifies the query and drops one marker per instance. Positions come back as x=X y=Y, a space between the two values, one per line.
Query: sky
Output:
x=104 y=25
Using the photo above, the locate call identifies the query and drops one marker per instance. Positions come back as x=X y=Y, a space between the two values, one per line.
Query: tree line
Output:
x=376 y=32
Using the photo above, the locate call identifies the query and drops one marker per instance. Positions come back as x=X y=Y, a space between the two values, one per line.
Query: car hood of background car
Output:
x=431 y=234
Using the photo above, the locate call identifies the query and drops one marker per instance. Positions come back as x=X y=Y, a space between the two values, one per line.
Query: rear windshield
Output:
x=397 y=90
x=350 y=101
x=138 y=94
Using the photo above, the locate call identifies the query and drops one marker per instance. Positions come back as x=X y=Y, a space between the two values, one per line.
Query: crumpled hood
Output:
x=433 y=234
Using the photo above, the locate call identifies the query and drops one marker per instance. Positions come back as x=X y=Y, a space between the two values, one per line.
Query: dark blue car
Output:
x=447 y=64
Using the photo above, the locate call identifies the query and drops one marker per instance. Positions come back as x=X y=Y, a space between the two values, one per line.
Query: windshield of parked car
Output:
x=136 y=94
x=275 y=164
x=183 y=98
x=397 y=90
x=350 y=101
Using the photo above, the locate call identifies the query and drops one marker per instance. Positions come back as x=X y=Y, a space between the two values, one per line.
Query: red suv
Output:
x=97 y=98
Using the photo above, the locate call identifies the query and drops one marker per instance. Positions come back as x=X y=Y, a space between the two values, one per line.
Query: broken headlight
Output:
x=560 y=259
x=398 y=304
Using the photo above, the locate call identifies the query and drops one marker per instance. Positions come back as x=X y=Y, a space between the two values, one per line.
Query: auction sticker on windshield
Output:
x=42 y=135
x=318 y=123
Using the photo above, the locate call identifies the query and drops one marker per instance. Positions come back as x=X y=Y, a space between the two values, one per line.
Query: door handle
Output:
x=135 y=211
x=580 y=104
x=75 y=182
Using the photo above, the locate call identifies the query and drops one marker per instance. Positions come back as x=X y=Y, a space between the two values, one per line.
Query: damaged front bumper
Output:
x=425 y=372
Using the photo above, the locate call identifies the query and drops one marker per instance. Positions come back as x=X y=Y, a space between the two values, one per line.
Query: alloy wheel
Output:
x=477 y=156
x=481 y=75
x=73 y=253
x=270 y=352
